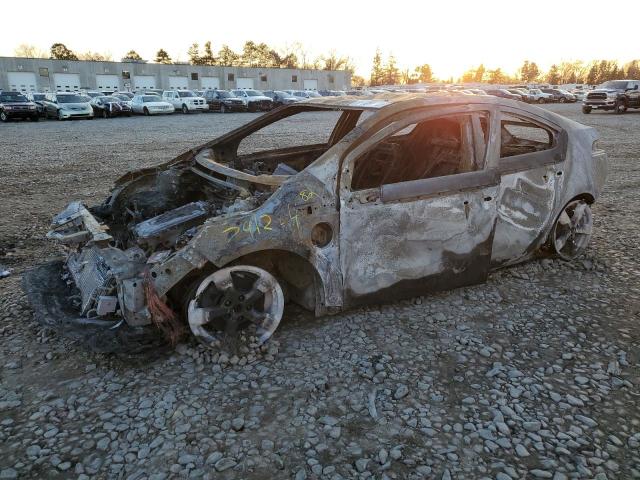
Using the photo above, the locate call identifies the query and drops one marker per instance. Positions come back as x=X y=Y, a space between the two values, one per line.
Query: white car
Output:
x=150 y=105
x=185 y=100
x=537 y=95
x=255 y=100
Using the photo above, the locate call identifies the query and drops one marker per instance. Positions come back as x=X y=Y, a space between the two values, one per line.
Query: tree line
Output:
x=258 y=55
x=592 y=73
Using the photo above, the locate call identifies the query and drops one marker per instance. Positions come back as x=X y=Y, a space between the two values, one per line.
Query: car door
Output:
x=529 y=152
x=410 y=221
x=634 y=95
x=216 y=101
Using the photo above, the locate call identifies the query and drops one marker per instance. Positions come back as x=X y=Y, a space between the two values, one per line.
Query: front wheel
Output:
x=35 y=118
x=4 y=117
x=572 y=231
x=541 y=100
x=620 y=107
x=223 y=108
x=145 y=111
x=563 y=100
x=586 y=110
x=105 y=114
x=234 y=299
x=185 y=110
x=60 y=117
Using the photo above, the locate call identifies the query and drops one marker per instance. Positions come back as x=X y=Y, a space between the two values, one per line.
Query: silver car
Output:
x=67 y=105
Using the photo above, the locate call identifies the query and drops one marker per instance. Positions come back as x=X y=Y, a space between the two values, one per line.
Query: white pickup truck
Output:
x=185 y=101
x=538 y=96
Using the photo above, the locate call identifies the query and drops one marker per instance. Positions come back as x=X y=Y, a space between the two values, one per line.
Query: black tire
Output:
x=35 y=118
x=145 y=111
x=105 y=114
x=621 y=107
x=586 y=110
x=541 y=100
x=185 y=110
x=223 y=109
x=563 y=100
x=60 y=116
x=4 y=117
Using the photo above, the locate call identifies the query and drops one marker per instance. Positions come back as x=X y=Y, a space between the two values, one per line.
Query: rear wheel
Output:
x=235 y=299
x=572 y=231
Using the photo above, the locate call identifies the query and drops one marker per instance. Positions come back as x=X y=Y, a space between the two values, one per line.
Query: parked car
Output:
x=92 y=94
x=109 y=106
x=255 y=100
x=185 y=101
x=126 y=99
x=281 y=98
x=224 y=101
x=398 y=204
x=150 y=105
x=127 y=94
x=504 y=93
x=525 y=96
x=538 y=96
x=559 y=95
x=579 y=94
x=16 y=105
x=616 y=95
x=306 y=94
x=38 y=99
x=67 y=105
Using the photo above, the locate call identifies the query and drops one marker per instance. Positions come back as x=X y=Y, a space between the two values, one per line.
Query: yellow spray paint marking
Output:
x=253 y=226
x=307 y=195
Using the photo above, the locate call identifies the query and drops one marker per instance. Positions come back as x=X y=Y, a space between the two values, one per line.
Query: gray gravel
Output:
x=534 y=374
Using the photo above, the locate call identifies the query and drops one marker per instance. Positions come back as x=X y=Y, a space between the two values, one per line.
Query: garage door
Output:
x=244 y=83
x=210 y=82
x=178 y=83
x=22 y=81
x=140 y=82
x=310 y=84
x=107 y=83
x=66 y=82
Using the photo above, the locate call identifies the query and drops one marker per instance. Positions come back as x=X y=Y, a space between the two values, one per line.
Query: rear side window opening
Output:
x=519 y=136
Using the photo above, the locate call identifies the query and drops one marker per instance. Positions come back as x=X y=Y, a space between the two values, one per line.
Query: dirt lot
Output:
x=535 y=374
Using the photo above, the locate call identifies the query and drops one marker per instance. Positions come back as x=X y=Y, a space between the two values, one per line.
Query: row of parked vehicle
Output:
x=68 y=105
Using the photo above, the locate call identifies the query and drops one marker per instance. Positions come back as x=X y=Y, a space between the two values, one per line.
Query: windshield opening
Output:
x=186 y=94
x=151 y=98
x=615 y=84
x=13 y=97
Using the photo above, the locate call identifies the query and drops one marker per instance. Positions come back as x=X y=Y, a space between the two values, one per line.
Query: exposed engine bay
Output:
x=144 y=221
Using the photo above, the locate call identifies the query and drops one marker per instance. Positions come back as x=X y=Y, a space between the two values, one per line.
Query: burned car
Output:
x=406 y=195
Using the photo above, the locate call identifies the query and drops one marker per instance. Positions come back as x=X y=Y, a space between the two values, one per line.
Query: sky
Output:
x=451 y=36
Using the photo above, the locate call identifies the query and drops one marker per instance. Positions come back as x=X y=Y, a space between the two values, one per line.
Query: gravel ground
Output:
x=534 y=374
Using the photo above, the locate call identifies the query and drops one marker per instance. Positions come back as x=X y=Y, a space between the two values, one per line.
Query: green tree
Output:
x=553 y=75
x=194 y=54
x=133 y=56
x=227 y=57
x=633 y=69
x=391 y=71
x=468 y=76
x=163 y=57
x=424 y=73
x=497 y=76
x=377 y=72
x=59 y=51
x=208 y=58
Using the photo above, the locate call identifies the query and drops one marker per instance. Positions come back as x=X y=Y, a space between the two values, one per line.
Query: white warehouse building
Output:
x=45 y=75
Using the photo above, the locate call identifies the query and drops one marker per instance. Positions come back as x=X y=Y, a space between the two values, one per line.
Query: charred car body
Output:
x=409 y=194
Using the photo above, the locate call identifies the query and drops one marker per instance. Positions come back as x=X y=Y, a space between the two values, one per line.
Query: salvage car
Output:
x=254 y=100
x=185 y=101
x=109 y=106
x=223 y=101
x=403 y=195
x=67 y=105
x=616 y=95
x=150 y=105
x=16 y=105
x=281 y=98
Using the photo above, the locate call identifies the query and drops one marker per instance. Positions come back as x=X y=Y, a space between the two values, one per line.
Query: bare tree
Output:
x=29 y=51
